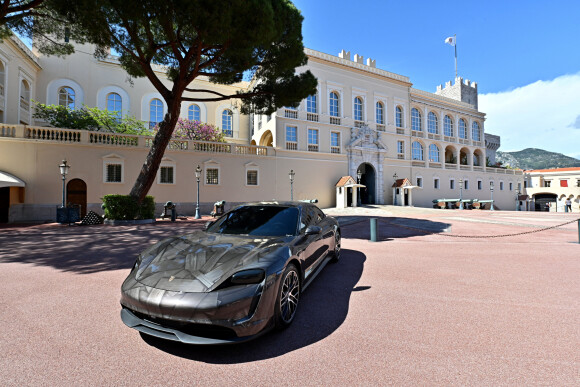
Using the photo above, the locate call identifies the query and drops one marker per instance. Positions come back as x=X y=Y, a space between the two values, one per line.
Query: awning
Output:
x=7 y=180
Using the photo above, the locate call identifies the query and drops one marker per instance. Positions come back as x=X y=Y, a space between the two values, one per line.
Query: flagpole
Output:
x=455 y=45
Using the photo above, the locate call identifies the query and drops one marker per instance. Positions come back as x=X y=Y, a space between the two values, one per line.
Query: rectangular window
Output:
x=252 y=177
x=466 y=184
x=334 y=142
x=436 y=183
x=114 y=173
x=291 y=138
x=451 y=184
x=577 y=183
x=479 y=185
x=166 y=175
x=419 y=182
x=501 y=185
x=212 y=176
x=547 y=183
x=519 y=187
x=511 y=186
x=313 y=140
x=525 y=184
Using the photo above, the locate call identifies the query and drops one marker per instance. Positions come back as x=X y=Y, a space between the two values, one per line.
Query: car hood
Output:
x=199 y=262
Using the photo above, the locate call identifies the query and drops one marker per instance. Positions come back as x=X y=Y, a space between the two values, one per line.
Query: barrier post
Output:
x=373 y=229
x=578 y=230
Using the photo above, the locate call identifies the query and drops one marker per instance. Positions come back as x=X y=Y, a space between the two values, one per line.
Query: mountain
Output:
x=532 y=158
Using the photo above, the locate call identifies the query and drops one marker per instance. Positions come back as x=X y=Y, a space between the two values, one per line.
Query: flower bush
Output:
x=196 y=130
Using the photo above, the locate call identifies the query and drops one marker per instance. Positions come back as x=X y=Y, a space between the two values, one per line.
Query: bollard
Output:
x=173 y=213
x=373 y=229
x=578 y=230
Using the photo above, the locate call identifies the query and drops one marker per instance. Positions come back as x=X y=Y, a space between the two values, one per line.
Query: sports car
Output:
x=235 y=280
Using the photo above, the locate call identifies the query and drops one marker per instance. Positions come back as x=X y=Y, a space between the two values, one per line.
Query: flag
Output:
x=451 y=40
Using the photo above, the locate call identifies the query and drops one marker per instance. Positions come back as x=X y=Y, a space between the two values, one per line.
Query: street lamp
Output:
x=358 y=175
x=461 y=194
x=518 y=200
x=64 y=167
x=291 y=177
x=395 y=178
x=197 y=176
x=491 y=189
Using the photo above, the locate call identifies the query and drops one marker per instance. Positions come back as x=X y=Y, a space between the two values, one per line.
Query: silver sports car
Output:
x=237 y=279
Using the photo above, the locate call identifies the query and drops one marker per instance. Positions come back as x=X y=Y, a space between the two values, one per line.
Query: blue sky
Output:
x=524 y=55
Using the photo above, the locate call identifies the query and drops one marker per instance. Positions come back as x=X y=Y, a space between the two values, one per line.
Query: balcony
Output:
x=416 y=133
x=334 y=121
x=290 y=145
x=289 y=113
x=312 y=147
x=334 y=149
x=312 y=117
x=359 y=124
x=400 y=131
x=418 y=163
x=449 y=139
x=380 y=127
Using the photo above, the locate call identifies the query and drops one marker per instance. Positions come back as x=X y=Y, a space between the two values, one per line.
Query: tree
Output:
x=192 y=38
x=36 y=18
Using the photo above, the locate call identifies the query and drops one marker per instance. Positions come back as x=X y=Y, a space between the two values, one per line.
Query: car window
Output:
x=319 y=214
x=258 y=220
x=308 y=218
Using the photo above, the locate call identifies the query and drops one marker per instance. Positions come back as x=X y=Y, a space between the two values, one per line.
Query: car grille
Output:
x=199 y=330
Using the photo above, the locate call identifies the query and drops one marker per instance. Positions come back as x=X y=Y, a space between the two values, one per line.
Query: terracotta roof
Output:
x=401 y=183
x=570 y=169
x=345 y=180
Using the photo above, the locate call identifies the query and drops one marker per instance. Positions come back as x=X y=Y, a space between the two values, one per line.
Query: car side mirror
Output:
x=312 y=230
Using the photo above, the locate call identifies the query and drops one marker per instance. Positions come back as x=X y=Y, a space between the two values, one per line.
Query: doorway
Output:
x=4 y=204
x=368 y=179
x=76 y=193
x=542 y=201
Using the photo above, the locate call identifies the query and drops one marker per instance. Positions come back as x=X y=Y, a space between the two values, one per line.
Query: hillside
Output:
x=532 y=158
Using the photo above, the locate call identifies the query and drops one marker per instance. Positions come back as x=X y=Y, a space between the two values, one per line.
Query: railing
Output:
x=401 y=156
x=434 y=136
x=416 y=133
x=334 y=121
x=53 y=134
x=289 y=113
x=291 y=145
x=251 y=150
x=381 y=127
x=359 y=124
x=465 y=167
x=449 y=139
x=400 y=131
x=434 y=165
x=312 y=117
x=113 y=139
x=417 y=163
x=478 y=143
x=464 y=141
x=312 y=147
x=334 y=149
x=7 y=131
x=450 y=166
x=477 y=168
x=212 y=147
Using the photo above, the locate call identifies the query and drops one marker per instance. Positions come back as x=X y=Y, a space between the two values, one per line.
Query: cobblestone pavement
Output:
x=419 y=307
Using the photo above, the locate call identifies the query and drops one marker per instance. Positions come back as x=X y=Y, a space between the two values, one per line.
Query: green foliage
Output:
x=87 y=118
x=125 y=207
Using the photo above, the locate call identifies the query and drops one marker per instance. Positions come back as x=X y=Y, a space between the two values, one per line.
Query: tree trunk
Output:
x=149 y=170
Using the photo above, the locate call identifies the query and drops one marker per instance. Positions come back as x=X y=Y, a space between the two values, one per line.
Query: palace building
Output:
x=399 y=144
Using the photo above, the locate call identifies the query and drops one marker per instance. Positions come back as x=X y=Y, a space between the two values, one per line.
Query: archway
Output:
x=76 y=193
x=368 y=179
x=543 y=201
x=267 y=139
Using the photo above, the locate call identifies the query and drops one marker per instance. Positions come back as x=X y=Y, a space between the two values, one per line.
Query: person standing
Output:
x=569 y=205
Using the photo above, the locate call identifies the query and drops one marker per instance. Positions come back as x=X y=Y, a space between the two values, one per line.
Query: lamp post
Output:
x=291 y=177
x=491 y=189
x=518 y=200
x=461 y=194
x=64 y=167
x=358 y=175
x=197 y=176
x=395 y=178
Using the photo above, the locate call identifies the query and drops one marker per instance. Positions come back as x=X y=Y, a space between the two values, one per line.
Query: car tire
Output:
x=288 y=296
x=336 y=252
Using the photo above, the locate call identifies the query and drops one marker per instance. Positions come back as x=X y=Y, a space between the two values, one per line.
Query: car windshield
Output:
x=258 y=220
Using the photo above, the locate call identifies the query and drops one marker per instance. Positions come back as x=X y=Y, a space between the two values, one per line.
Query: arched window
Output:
x=399 y=117
x=448 y=126
x=462 y=128
x=24 y=95
x=475 y=132
x=114 y=104
x=380 y=113
x=432 y=124
x=417 y=149
x=358 y=109
x=155 y=112
x=311 y=105
x=415 y=120
x=334 y=104
x=194 y=113
x=434 y=153
x=227 y=123
x=66 y=97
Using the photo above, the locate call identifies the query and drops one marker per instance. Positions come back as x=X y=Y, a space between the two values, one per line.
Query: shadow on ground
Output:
x=388 y=228
x=323 y=308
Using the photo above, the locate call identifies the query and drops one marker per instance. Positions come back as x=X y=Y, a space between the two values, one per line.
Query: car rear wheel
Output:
x=336 y=252
x=288 y=296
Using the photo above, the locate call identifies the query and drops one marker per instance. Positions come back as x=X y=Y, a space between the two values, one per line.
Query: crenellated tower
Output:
x=461 y=90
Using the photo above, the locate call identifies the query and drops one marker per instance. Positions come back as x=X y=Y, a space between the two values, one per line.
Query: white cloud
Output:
x=544 y=114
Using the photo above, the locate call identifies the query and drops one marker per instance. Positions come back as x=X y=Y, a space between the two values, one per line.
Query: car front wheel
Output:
x=288 y=296
x=336 y=252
